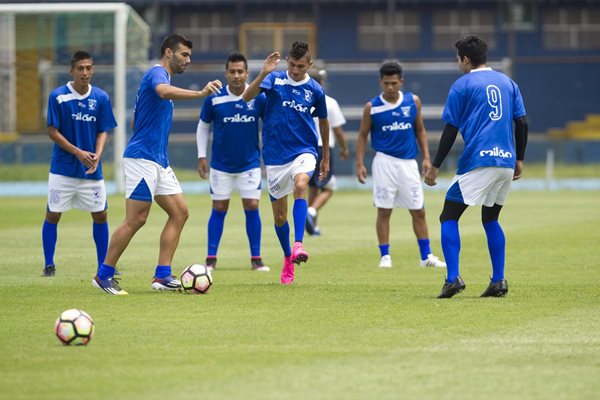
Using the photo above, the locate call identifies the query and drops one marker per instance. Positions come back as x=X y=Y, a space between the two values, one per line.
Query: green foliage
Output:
x=344 y=330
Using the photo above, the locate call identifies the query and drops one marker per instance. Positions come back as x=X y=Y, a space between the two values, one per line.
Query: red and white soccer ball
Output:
x=74 y=327
x=196 y=278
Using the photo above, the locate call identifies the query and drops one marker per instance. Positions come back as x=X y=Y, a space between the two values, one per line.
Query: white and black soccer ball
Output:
x=74 y=327
x=196 y=278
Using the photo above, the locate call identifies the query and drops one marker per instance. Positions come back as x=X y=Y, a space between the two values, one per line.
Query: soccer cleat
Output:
x=317 y=231
x=451 y=288
x=497 y=289
x=298 y=253
x=49 y=270
x=287 y=273
x=385 y=261
x=433 y=261
x=258 y=265
x=168 y=283
x=211 y=263
x=110 y=286
x=310 y=223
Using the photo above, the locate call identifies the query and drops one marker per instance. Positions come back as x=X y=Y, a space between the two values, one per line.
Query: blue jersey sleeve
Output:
x=453 y=109
x=159 y=76
x=320 y=107
x=261 y=100
x=518 y=106
x=267 y=83
x=53 y=117
x=207 y=113
x=107 y=121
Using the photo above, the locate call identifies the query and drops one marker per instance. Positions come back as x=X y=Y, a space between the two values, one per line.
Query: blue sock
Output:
x=496 y=246
x=100 y=234
x=384 y=249
x=162 y=271
x=253 y=230
x=215 y=231
x=299 y=211
x=451 y=248
x=105 y=271
x=424 y=248
x=49 y=237
x=283 y=234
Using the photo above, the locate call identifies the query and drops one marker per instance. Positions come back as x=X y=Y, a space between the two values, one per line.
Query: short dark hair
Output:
x=473 y=47
x=173 y=41
x=78 y=56
x=299 y=50
x=390 y=68
x=236 y=56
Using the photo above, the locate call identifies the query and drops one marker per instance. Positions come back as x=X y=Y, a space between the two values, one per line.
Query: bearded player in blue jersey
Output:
x=290 y=143
x=235 y=157
x=148 y=176
x=79 y=118
x=397 y=133
x=482 y=105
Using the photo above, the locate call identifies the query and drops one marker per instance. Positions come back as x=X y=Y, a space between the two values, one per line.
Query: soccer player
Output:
x=290 y=143
x=148 y=175
x=79 y=118
x=482 y=105
x=235 y=157
x=397 y=133
x=320 y=191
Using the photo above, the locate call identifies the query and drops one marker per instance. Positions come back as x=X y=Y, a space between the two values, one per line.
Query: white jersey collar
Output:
x=480 y=69
x=76 y=94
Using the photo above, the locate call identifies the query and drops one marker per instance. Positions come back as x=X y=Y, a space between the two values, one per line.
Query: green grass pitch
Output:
x=344 y=330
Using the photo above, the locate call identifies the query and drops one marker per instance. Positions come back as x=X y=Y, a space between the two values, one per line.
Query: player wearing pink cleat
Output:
x=298 y=253
x=287 y=273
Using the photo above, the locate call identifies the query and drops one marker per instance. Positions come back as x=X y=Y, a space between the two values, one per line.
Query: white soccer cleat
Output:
x=385 y=262
x=432 y=261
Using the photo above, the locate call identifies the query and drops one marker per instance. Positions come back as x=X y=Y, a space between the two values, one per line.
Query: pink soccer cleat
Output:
x=298 y=253
x=287 y=273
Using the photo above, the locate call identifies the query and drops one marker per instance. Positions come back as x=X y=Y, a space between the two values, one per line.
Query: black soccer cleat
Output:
x=211 y=263
x=498 y=289
x=451 y=288
x=49 y=270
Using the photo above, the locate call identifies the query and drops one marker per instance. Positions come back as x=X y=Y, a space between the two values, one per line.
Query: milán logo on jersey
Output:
x=239 y=118
x=296 y=106
x=83 y=117
x=495 y=152
x=397 y=126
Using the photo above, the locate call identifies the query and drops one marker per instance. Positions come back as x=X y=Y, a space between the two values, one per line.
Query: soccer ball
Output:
x=74 y=327
x=196 y=278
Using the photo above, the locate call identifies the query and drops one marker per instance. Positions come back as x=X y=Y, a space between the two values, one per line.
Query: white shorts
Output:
x=396 y=183
x=145 y=179
x=223 y=183
x=65 y=193
x=280 y=178
x=482 y=186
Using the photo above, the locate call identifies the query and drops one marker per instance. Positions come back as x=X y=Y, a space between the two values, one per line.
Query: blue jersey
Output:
x=482 y=105
x=235 y=130
x=79 y=118
x=393 y=126
x=152 y=119
x=288 y=126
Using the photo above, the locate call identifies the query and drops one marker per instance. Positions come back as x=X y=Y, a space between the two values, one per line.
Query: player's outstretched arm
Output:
x=169 y=92
x=361 y=143
x=254 y=88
